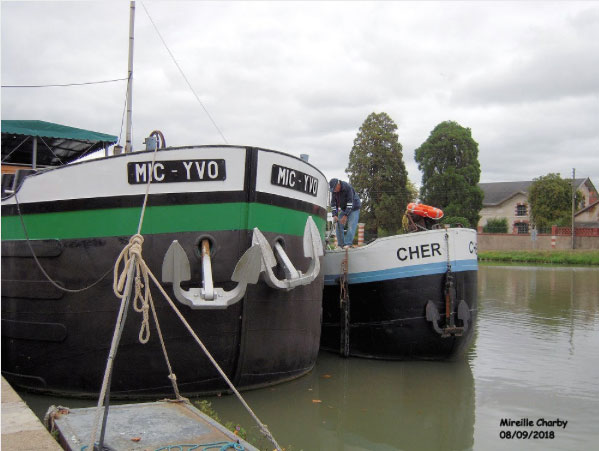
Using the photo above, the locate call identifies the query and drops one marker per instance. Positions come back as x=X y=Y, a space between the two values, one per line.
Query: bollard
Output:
x=361 y=233
x=553 y=240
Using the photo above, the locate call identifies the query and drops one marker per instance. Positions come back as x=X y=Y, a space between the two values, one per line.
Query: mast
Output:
x=573 y=206
x=128 y=147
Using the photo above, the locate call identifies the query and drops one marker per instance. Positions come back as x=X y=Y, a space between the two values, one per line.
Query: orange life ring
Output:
x=425 y=210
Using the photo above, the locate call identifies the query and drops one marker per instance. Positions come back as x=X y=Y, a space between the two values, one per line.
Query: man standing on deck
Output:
x=345 y=204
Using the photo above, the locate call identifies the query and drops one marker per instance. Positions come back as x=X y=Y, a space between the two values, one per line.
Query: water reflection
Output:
x=535 y=354
x=551 y=294
x=358 y=404
x=370 y=405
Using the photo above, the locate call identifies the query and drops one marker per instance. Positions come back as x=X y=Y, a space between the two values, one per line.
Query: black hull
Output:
x=58 y=343
x=388 y=318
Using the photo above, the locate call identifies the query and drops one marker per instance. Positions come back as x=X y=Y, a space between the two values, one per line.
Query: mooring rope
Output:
x=263 y=427
x=122 y=285
x=134 y=266
x=41 y=268
x=221 y=446
x=131 y=256
x=120 y=323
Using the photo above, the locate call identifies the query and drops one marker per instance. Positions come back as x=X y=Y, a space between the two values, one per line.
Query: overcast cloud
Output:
x=302 y=77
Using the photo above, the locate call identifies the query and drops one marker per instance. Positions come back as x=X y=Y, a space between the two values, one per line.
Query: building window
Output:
x=521 y=210
x=522 y=227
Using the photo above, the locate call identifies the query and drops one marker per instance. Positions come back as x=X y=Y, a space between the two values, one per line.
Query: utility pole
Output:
x=573 y=204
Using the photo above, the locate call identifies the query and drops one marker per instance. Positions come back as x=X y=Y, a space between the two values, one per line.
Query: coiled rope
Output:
x=129 y=256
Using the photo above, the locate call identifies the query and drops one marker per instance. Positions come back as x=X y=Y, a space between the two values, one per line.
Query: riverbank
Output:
x=21 y=429
x=562 y=257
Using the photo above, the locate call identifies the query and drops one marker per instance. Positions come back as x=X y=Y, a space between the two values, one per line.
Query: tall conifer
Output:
x=378 y=174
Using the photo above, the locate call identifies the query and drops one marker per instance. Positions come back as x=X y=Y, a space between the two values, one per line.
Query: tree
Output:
x=550 y=199
x=378 y=174
x=450 y=169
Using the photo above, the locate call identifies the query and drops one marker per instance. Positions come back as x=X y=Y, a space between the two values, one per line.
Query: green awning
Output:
x=50 y=130
x=57 y=144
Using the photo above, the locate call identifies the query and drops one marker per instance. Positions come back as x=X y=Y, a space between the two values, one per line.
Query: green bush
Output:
x=497 y=225
x=455 y=221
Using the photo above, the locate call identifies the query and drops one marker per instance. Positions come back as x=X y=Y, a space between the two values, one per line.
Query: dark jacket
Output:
x=345 y=200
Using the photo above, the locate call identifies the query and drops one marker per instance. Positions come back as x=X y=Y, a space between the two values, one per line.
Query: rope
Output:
x=130 y=257
x=53 y=413
x=133 y=264
x=263 y=427
x=120 y=323
x=171 y=375
x=39 y=265
x=222 y=446
x=144 y=206
x=132 y=261
x=142 y=302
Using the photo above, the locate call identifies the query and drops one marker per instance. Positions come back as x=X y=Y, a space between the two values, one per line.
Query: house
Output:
x=588 y=216
x=510 y=200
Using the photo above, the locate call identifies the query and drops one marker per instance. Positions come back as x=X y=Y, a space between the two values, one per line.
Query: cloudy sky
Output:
x=301 y=77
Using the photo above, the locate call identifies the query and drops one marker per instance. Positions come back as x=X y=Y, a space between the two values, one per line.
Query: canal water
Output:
x=530 y=380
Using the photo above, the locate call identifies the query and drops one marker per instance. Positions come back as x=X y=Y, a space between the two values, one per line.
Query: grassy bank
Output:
x=567 y=257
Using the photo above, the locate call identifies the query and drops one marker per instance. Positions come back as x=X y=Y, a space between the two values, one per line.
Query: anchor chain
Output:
x=450 y=294
x=449 y=320
x=344 y=307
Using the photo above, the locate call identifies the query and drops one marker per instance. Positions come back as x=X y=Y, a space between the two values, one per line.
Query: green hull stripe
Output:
x=163 y=219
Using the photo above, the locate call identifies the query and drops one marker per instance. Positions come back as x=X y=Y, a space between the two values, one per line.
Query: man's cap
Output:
x=333 y=184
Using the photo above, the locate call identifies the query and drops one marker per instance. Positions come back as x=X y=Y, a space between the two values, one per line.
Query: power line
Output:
x=64 y=85
x=183 y=74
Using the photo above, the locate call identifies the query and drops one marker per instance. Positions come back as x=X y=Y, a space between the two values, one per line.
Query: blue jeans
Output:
x=347 y=238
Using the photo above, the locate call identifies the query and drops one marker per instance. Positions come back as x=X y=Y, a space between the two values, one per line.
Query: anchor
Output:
x=449 y=329
x=432 y=315
x=293 y=278
x=176 y=269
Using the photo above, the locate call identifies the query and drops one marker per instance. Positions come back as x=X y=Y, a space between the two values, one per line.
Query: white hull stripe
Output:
x=404 y=272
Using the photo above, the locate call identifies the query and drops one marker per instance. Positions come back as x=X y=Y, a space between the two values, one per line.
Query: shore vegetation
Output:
x=589 y=257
